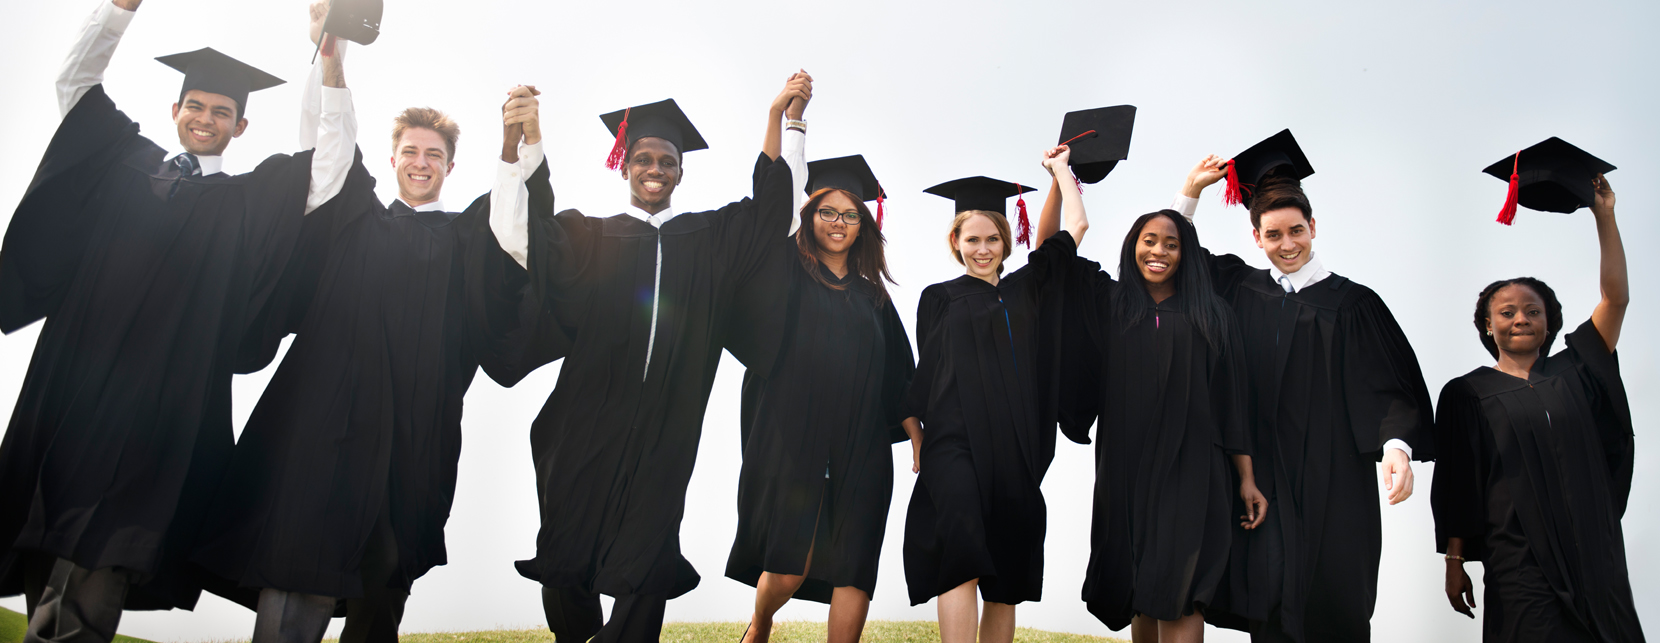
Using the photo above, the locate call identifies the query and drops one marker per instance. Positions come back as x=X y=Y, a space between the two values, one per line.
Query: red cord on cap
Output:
x=1069 y=141
x=328 y=45
x=880 y=197
x=1507 y=215
x=1235 y=192
x=614 y=161
x=1023 y=231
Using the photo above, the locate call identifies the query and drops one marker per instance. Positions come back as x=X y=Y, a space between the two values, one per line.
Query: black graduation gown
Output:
x=615 y=444
x=984 y=390
x=123 y=425
x=1331 y=378
x=1171 y=410
x=364 y=414
x=1534 y=476
x=818 y=434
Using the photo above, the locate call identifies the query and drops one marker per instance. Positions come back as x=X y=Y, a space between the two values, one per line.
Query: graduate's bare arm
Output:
x=913 y=428
x=1049 y=218
x=1616 y=286
x=334 y=66
x=1256 y=504
x=521 y=120
x=1461 y=593
x=1057 y=160
x=790 y=103
x=1208 y=171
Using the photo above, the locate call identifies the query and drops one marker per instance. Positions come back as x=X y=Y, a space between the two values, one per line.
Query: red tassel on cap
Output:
x=328 y=45
x=619 y=149
x=880 y=197
x=1023 y=230
x=1235 y=193
x=1508 y=214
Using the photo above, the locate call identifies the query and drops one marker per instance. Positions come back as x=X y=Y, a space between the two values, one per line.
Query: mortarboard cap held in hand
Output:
x=1552 y=176
x=1099 y=139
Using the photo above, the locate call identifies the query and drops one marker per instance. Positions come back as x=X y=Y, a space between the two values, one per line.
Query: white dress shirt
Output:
x=1311 y=273
x=327 y=121
x=435 y=206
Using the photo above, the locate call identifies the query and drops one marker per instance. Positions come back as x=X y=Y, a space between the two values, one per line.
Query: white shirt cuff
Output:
x=114 y=19
x=1186 y=205
x=1397 y=443
x=510 y=203
x=793 y=148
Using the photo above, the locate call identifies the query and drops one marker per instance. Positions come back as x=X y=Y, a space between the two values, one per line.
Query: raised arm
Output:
x=521 y=154
x=91 y=54
x=328 y=121
x=789 y=138
x=1616 y=287
x=1209 y=170
x=1073 y=218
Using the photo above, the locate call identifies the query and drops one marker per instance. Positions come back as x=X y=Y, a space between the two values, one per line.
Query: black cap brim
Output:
x=1095 y=155
x=979 y=193
x=1552 y=176
x=662 y=119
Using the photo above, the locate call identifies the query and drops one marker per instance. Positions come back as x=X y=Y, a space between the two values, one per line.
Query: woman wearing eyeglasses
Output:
x=818 y=428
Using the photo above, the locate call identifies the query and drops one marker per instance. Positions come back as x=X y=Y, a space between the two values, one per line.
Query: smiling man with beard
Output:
x=648 y=298
x=153 y=274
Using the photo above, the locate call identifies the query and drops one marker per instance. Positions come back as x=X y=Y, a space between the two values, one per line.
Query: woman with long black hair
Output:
x=818 y=428
x=1534 y=460
x=1154 y=356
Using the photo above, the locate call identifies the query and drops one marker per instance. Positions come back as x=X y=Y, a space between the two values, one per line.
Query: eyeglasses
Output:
x=851 y=217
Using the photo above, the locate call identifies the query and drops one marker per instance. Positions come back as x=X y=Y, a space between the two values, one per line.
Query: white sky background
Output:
x=1399 y=105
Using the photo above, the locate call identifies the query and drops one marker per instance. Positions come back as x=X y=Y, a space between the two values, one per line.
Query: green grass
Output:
x=12 y=625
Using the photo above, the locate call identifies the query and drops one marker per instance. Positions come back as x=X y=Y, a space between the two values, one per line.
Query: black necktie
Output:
x=187 y=164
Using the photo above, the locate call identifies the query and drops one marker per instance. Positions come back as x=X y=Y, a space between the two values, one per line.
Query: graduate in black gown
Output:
x=150 y=272
x=1159 y=364
x=1534 y=454
x=817 y=475
x=1335 y=387
x=648 y=298
x=342 y=480
x=980 y=415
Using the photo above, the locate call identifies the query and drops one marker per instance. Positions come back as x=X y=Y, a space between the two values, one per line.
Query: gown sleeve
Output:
x=1458 y=491
x=930 y=321
x=1227 y=272
x=1609 y=404
x=1085 y=309
x=757 y=251
x=274 y=200
x=1230 y=395
x=512 y=328
x=1382 y=383
x=898 y=369
x=49 y=231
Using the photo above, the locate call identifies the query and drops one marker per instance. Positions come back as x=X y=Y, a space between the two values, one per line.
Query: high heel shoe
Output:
x=745 y=636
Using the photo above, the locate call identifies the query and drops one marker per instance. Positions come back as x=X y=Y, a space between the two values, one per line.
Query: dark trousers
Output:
x=78 y=605
x=292 y=617
x=574 y=616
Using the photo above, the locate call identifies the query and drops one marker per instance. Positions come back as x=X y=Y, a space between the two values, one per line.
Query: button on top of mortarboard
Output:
x=1279 y=151
x=1099 y=139
x=1552 y=176
x=979 y=193
x=849 y=173
x=354 y=20
x=215 y=73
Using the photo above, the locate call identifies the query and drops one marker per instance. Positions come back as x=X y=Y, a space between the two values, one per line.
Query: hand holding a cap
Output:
x=1210 y=169
x=1056 y=159
x=1604 y=202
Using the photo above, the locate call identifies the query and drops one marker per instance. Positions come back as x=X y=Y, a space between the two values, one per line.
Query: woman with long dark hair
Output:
x=1534 y=460
x=981 y=421
x=817 y=429
x=1154 y=356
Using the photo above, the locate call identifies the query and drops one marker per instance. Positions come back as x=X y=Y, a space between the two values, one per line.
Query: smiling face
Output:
x=1158 y=251
x=207 y=122
x=980 y=246
x=1286 y=237
x=836 y=238
x=1517 y=319
x=653 y=170
x=422 y=161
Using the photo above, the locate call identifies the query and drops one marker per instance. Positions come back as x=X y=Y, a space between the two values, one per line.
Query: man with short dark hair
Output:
x=153 y=275
x=1336 y=388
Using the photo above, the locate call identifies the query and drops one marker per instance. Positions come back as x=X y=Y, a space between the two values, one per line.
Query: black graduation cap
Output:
x=849 y=173
x=1552 y=176
x=981 y=193
x=354 y=20
x=662 y=119
x=1247 y=168
x=1099 y=139
x=216 y=73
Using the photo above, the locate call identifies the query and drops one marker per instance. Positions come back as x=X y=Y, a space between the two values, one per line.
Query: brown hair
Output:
x=426 y=118
x=997 y=219
x=866 y=258
x=1277 y=191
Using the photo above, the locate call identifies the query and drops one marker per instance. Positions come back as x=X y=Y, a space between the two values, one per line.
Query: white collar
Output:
x=210 y=165
x=662 y=217
x=1311 y=273
x=435 y=206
